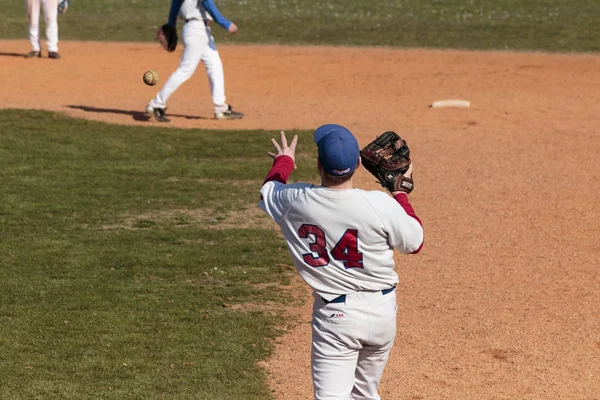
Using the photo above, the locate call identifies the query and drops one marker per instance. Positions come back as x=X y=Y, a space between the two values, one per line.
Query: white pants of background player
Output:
x=351 y=342
x=199 y=45
x=50 y=14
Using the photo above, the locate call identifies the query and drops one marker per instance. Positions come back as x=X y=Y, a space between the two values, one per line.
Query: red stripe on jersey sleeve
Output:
x=402 y=199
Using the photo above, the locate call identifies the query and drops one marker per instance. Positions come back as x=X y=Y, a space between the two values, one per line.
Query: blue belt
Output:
x=196 y=19
x=342 y=298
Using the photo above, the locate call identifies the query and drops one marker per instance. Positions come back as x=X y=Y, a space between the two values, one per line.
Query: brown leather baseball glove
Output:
x=166 y=35
x=388 y=158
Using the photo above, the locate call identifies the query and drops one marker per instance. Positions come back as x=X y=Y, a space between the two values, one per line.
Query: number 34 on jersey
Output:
x=345 y=250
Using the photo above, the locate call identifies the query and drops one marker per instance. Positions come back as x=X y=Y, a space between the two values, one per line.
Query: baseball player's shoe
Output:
x=157 y=113
x=54 y=55
x=34 y=53
x=229 y=114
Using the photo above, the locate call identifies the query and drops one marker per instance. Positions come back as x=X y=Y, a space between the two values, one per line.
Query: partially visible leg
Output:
x=50 y=15
x=33 y=16
x=216 y=76
x=194 y=42
x=333 y=363
x=371 y=362
x=216 y=79
x=376 y=348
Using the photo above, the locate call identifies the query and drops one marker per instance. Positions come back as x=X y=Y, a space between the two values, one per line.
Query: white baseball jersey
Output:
x=341 y=241
x=192 y=9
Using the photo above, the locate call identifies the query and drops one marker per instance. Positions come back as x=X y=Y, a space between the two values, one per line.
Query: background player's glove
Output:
x=63 y=5
x=167 y=37
x=388 y=159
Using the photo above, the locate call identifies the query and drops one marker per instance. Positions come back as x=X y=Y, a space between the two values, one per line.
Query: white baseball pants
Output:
x=351 y=342
x=50 y=15
x=199 y=45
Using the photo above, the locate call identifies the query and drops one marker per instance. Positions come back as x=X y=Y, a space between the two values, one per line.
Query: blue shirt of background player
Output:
x=210 y=8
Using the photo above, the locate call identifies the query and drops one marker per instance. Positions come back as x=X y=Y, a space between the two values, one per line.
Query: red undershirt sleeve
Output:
x=281 y=170
x=402 y=199
x=276 y=196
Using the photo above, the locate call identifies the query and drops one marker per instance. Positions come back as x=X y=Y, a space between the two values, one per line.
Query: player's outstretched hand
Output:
x=284 y=149
x=232 y=28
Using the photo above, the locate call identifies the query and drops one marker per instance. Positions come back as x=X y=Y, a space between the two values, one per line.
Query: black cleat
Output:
x=33 y=54
x=157 y=113
x=229 y=114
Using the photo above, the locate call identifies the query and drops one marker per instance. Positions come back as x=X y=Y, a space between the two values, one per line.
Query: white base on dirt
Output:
x=450 y=103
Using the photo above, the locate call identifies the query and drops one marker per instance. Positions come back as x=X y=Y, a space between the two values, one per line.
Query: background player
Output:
x=50 y=15
x=199 y=45
x=341 y=240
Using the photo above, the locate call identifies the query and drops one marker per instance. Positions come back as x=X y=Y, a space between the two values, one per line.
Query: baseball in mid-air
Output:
x=150 y=78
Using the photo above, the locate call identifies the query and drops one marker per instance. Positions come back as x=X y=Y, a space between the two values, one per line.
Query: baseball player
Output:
x=341 y=240
x=199 y=45
x=50 y=15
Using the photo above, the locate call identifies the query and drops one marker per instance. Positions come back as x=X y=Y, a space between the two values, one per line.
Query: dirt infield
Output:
x=503 y=302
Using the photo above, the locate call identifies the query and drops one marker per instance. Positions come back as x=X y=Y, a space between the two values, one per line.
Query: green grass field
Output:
x=553 y=25
x=122 y=265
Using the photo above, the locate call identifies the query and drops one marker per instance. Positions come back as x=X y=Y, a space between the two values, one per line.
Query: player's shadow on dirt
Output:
x=12 y=55
x=136 y=115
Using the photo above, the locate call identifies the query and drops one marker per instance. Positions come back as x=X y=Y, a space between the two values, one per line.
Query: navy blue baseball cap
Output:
x=338 y=149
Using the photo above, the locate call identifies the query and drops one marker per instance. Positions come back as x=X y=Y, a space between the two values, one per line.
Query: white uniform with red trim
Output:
x=341 y=242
